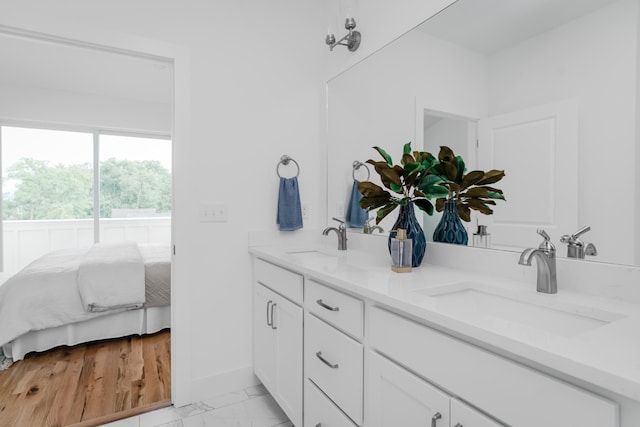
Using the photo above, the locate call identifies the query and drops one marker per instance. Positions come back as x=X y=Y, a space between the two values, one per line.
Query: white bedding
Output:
x=111 y=276
x=45 y=295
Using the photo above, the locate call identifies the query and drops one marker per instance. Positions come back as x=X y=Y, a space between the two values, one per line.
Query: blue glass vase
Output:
x=407 y=221
x=450 y=228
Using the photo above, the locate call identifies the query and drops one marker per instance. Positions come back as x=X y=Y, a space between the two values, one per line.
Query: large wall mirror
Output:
x=546 y=90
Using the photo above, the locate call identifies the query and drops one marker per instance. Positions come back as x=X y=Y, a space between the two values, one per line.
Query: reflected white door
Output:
x=538 y=149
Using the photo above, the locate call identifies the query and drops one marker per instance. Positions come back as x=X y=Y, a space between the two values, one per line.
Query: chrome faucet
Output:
x=576 y=248
x=546 y=256
x=341 y=231
x=368 y=229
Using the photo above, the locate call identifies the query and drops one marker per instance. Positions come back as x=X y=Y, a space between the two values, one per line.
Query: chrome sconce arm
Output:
x=351 y=40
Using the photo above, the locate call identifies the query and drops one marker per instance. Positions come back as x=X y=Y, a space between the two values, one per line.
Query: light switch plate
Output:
x=213 y=212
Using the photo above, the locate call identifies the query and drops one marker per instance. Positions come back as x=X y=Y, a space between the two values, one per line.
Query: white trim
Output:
x=96 y=187
x=223 y=383
x=74 y=127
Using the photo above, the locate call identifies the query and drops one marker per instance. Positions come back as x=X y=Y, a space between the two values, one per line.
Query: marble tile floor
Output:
x=251 y=407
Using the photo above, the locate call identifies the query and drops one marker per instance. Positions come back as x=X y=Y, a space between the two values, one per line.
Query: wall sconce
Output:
x=351 y=40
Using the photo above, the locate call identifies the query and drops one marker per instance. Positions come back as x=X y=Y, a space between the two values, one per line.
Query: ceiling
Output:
x=50 y=65
x=488 y=26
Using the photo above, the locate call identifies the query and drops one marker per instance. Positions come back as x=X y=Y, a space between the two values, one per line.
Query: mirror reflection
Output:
x=545 y=90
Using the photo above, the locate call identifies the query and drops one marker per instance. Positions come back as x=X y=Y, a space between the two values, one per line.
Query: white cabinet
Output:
x=399 y=398
x=320 y=411
x=465 y=416
x=277 y=347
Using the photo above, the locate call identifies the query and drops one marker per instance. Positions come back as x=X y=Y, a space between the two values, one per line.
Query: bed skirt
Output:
x=122 y=324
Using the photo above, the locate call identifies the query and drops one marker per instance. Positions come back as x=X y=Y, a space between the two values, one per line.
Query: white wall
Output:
x=373 y=103
x=257 y=93
x=65 y=107
x=594 y=62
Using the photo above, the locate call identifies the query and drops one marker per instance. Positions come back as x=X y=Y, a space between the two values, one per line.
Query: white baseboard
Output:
x=223 y=383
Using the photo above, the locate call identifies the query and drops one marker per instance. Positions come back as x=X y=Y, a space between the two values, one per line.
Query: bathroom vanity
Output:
x=341 y=340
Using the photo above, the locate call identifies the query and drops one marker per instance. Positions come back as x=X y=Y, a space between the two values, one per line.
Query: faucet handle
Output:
x=573 y=238
x=341 y=226
x=546 y=244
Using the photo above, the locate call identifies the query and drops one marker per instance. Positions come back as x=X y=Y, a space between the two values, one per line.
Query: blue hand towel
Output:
x=289 y=216
x=356 y=216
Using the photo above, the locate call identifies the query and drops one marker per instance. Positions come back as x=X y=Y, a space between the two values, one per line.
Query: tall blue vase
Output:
x=450 y=228
x=407 y=221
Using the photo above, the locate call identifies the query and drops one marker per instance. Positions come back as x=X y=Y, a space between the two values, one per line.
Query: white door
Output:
x=287 y=319
x=399 y=398
x=465 y=416
x=263 y=336
x=537 y=148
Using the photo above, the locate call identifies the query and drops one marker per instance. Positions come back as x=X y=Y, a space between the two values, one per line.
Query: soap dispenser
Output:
x=401 y=252
x=482 y=239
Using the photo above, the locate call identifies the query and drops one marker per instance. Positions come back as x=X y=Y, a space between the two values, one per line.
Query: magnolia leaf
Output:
x=492 y=189
x=449 y=170
x=368 y=188
x=461 y=168
x=440 y=204
x=477 y=205
x=395 y=187
x=495 y=195
x=406 y=149
x=384 y=155
x=446 y=154
x=464 y=212
x=424 y=205
x=491 y=177
x=407 y=158
x=384 y=212
x=418 y=193
x=413 y=167
x=470 y=179
x=475 y=192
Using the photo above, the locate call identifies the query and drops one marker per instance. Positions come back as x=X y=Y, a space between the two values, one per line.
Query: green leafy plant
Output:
x=471 y=190
x=411 y=181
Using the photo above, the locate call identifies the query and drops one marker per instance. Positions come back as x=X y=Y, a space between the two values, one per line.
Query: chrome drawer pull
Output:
x=458 y=425
x=320 y=425
x=325 y=361
x=273 y=324
x=328 y=307
x=268 y=304
x=435 y=418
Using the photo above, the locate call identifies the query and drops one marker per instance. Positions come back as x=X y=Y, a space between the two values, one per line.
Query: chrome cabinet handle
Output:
x=319 y=425
x=435 y=418
x=325 y=361
x=273 y=324
x=458 y=425
x=328 y=307
x=269 y=321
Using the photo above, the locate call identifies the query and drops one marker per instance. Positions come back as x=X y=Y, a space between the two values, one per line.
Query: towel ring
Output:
x=284 y=160
x=356 y=165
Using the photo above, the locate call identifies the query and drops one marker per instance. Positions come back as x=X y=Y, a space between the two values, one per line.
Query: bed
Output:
x=72 y=296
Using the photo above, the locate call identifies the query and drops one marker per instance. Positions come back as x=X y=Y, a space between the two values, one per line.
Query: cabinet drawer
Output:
x=341 y=310
x=334 y=362
x=463 y=415
x=518 y=395
x=320 y=411
x=284 y=282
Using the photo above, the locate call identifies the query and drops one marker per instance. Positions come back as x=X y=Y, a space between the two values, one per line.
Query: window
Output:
x=65 y=189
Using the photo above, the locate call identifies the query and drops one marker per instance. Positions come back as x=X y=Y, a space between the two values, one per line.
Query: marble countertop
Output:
x=606 y=355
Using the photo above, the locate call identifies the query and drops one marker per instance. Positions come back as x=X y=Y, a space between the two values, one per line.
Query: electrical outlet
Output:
x=213 y=212
x=340 y=210
x=305 y=211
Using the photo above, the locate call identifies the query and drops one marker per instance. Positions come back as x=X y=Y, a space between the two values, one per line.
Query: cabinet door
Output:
x=287 y=321
x=263 y=336
x=465 y=416
x=399 y=398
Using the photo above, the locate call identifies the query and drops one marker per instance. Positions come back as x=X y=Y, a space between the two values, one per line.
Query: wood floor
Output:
x=87 y=384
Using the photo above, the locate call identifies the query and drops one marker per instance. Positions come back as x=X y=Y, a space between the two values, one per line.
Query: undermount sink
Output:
x=534 y=311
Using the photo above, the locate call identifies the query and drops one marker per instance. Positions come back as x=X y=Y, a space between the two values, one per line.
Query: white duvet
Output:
x=44 y=294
